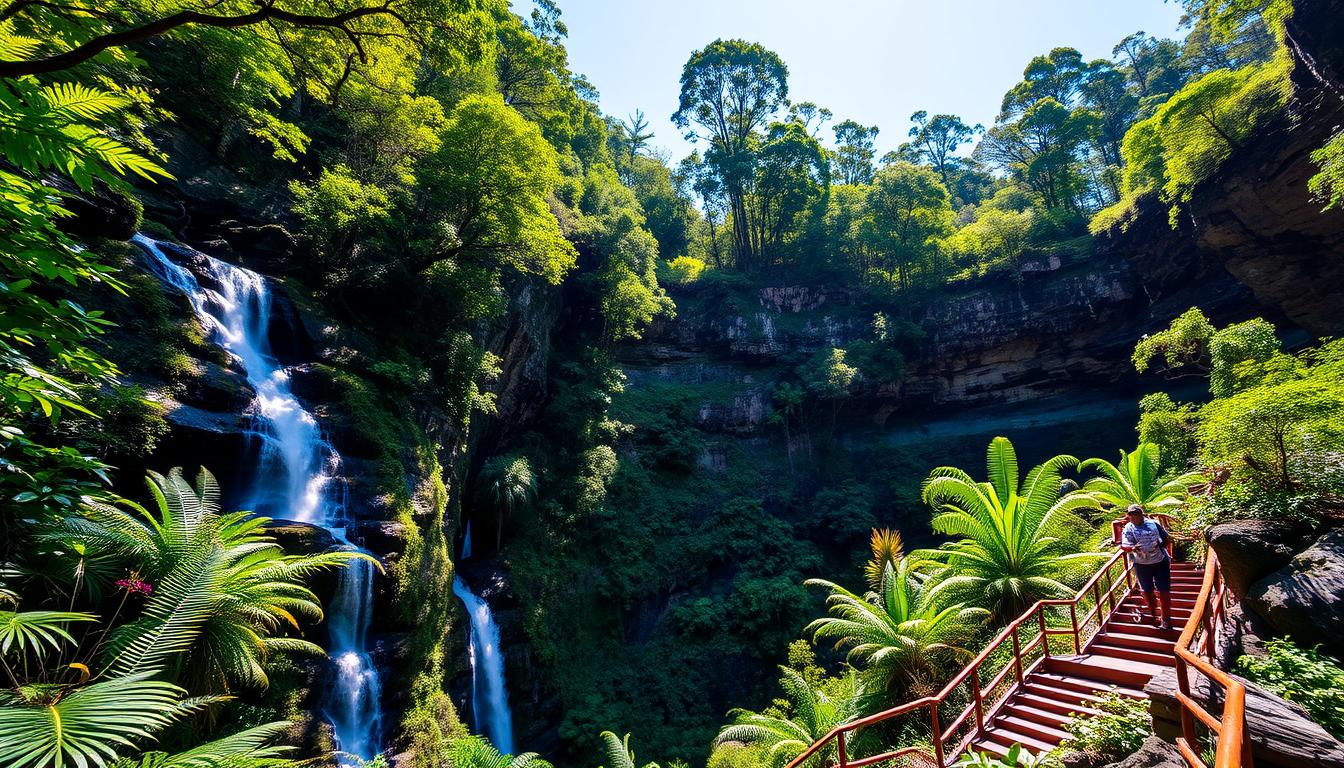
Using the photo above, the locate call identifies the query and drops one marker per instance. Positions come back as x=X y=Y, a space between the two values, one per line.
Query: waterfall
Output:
x=489 y=697
x=292 y=476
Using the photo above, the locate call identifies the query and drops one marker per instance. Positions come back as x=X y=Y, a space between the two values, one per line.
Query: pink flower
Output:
x=135 y=586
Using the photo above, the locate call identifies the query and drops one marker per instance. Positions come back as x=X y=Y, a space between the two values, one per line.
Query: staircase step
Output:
x=1084 y=685
x=1128 y=673
x=1008 y=736
x=1108 y=648
x=1086 y=692
x=1122 y=636
x=1047 y=734
x=992 y=747
x=1123 y=625
x=1054 y=707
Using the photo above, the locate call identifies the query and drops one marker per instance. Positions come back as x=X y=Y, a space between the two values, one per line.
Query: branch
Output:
x=97 y=45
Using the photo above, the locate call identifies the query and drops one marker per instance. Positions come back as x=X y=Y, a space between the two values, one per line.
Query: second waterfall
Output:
x=292 y=476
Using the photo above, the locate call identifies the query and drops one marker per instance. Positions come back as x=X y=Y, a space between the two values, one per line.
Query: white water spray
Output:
x=292 y=476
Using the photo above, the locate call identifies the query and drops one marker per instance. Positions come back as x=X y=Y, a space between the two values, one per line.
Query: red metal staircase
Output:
x=1123 y=657
x=1056 y=659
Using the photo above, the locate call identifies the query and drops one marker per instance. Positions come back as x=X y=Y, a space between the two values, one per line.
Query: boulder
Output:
x=1282 y=735
x=1155 y=753
x=1249 y=550
x=302 y=538
x=381 y=537
x=1305 y=599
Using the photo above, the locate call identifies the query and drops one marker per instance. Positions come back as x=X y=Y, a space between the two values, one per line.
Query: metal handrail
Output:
x=1233 y=749
x=983 y=709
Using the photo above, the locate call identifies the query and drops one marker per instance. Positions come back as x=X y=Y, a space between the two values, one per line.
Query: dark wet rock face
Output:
x=1282 y=735
x=1305 y=599
x=1249 y=550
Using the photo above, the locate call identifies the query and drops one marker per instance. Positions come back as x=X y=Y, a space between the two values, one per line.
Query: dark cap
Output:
x=1134 y=509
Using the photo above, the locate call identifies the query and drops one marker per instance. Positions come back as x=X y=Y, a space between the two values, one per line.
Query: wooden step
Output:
x=1055 y=707
x=1120 y=635
x=1082 y=685
x=1024 y=711
x=1008 y=736
x=1122 y=625
x=1107 y=648
x=1129 y=673
x=1047 y=734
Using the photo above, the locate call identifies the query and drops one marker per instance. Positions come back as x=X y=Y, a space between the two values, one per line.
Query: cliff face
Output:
x=1255 y=220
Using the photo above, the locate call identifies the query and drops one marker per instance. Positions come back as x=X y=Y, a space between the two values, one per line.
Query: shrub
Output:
x=1301 y=675
x=684 y=269
x=1120 y=729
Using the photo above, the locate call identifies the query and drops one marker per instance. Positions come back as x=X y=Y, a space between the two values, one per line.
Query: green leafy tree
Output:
x=854 y=151
x=1136 y=479
x=486 y=189
x=730 y=89
x=935 y=140
x=1041 y=149
x=1012 y=536
x=906 y=212
x=508 y=486
x=1058 y=75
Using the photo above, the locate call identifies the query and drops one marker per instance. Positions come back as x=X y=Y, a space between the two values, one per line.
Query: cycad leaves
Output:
x=1135 y=480
x=1007 y=553
x=88 y=725
x=36 y=630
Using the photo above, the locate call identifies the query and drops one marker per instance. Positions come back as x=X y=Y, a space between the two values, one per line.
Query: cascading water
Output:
x=489 y=696
x=292 y=476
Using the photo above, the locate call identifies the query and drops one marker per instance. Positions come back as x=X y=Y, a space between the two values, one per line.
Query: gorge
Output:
x=605 y=435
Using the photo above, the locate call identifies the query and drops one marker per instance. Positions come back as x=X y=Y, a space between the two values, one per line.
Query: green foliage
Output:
x=1017 y=757
x=1301 y=675
x=1184 y=342
x=907 y=211
x=807 y=713
x=203 y=598
x=618 y=752
x=1327 y=186
x=1189 y=137
x=1170 y=427
x=1136 y=479
x=1119 y=730
x=902 y=631
x=1013 y=538
x=489 y=181
x=477 y=752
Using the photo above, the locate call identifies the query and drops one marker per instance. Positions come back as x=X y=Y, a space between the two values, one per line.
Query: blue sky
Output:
x=875 y=61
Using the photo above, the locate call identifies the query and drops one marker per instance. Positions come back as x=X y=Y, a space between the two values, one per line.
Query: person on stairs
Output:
x=1146 y=542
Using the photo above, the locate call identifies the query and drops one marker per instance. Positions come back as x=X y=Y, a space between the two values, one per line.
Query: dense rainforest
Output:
x=372 y=398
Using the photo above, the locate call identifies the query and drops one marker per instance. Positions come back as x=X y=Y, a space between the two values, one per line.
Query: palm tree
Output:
x=618 y=752
x=477 y=752
x=783 y=735
x=217 y=581
x=901 y=631
x=1135 y=480
x=1010 y=549
x=508 y=485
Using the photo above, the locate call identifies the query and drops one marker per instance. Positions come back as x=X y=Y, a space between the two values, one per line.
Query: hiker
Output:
x=1146 y=542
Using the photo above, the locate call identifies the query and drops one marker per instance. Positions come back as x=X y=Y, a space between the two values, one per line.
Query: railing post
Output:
x=1077 y=641
x=840 y=746
x=979 y=700
x=1096 y=600
x=1045 y=637
x=1017 y=656
x=937 y=736
x=1187 y=717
